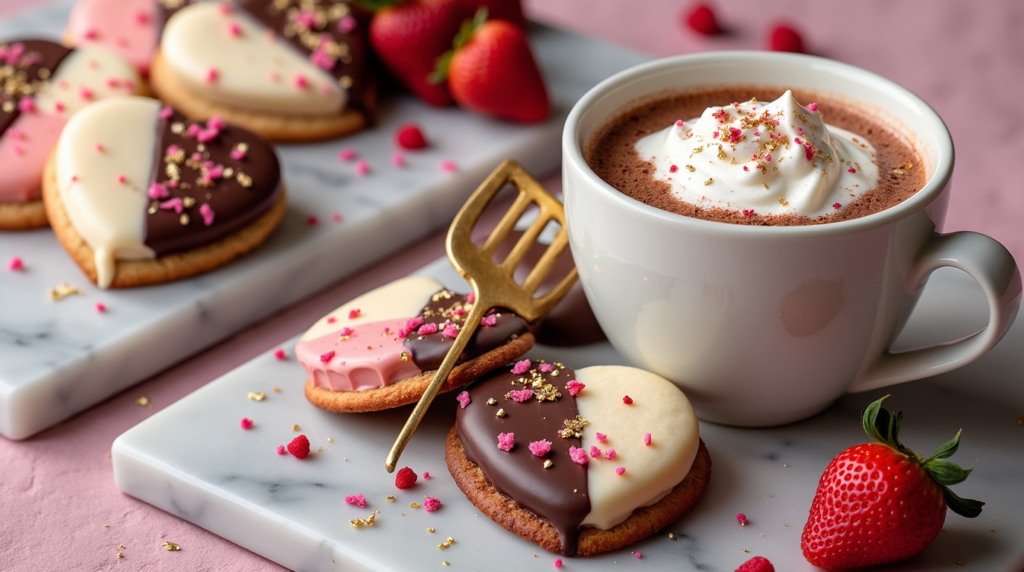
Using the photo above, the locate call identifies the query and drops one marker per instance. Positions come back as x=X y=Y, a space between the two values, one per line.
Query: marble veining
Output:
x=232 y=482
x=58 y=358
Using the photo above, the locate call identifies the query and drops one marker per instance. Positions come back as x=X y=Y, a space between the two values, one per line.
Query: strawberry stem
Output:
x=377 y=5
x=444 y=61
x=884 y=427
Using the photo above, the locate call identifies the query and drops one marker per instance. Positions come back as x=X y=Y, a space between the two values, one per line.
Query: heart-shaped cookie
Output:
x=140 y=195
x=380 y=350
x=580 y=462
x=43 y=84
x=287 y=69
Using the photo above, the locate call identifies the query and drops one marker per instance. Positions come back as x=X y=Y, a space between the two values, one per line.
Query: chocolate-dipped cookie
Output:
x=42 y=85
x=139 y=195
x=381 y=349
x=289 y=70
x=580 y=462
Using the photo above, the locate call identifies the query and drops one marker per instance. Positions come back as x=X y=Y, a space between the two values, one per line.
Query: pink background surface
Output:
x=965 y=58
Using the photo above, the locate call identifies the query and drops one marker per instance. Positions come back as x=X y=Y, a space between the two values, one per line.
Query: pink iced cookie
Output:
x=129 y=28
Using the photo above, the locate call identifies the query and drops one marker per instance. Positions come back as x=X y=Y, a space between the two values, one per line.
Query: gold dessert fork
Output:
x=493 y=284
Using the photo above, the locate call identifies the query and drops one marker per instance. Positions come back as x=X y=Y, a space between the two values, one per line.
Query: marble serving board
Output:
x=58 y=358
x=194 y=461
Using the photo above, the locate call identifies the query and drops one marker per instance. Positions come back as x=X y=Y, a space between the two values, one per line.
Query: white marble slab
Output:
x=58 y=358
x=194 y=461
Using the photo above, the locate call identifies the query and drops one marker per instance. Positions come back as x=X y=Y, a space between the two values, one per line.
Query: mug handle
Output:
x=993 y=267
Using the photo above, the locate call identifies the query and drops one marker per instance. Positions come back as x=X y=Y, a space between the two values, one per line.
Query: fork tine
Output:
x=547 y=260
x=505 y=225
x=525 y=242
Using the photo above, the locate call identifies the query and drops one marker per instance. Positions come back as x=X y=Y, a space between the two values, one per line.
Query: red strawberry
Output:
x=702 y=20
x=410 y=36
x=756 y=564
x=405 y=478
x=410 y=137
x=782 y=38
x=492 y=71
x=510 y=10
x=880 y=502
x=299 y=447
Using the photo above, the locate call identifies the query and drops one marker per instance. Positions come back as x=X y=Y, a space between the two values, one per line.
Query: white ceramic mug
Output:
x=769 y=325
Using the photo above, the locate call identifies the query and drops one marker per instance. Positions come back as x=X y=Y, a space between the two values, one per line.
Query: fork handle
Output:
x=471 y=323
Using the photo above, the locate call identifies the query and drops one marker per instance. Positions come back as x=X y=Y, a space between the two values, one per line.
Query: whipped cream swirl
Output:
x=777 y=158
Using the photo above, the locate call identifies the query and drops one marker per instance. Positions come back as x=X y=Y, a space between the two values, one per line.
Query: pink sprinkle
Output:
x=427 y=329
x=215 y=122
x=211 y=75
x=234 y=30
x=748 y=212
x=647 y=440
x=90 y=35
x=347 y=154
x=574 y=387
x=354 y=313
x=627 y=400
x=601 y=438
x=506 y=441
x=620 y=470
x=300 y=81
x=85 y=93
x=322 y=60
x=121 y=179
x=812 y=107
x=101 y=307
x=279 y=354
x=100 y=148
x=797 y=141
x=714 y=135
x=426 y=475
x=166 y=112
x=306 y=19
x=172 y=149
x=311 y=220
x=237 y=154
x=609 y=454
x=430 y=504
x=207 y=135
x=362 y=167
x=281 y=450
x=638 y=553
x=246 y=423
x=471 y=298
x=450 y=331
x=851 y=170
x=398 y=160
x=579 y=456
x=595 y=452
x=545 y=368
x=448 y=166
x=745 y=168
x=809 y=152
x=129 y=85
x=27 y=105
x=463 y=399
x=225 y=8
x=19 y=150
x=358 y=500
x=460 y=312
x=673 y=169
x=558 y=562
x=735 y=135
x=324 y=358
x=679 y=122
x=521 y=395
x=193 y=130
x=768 y=157
x=742 y=519
x=521 y=367
x=331 y=320
x=836 y=206
x=142 y=18
x=207 y=214
x=16 y=264
x=346 y=331
x=336 y=217
x=488 y=321
x=175 y=203
x=346 y=24
x=413 y=323
x=540 y=448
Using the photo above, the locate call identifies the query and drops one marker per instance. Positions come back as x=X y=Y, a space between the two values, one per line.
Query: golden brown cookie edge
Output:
x=23 y=216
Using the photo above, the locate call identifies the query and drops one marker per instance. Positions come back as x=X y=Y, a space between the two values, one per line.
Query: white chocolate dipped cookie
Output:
x=380 y=350
x=285 y=69
x=42 y=85
x=139 y=195
x=580 y=462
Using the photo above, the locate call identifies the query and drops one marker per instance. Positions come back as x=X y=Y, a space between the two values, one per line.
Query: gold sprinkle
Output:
x=119 y=555
x=177 y=128
x=243 y=147
x=690 y=168
x=153 y=208
x=721 y=153
x=8 y=106
x=346 y=81
x=143 y=401
x=278 y=390
x=228 y=173
x=170 y=547
x=321 y=449
x=698 y=149
x=446 y=543
x=554 y=373
x=121 y=546
x=765 y=186
x=295 y=428
x=445 y=563
x=573 y=428
x=108 y=526
x=330 y=439
x=902 y=169
x=243 y=179
x=500 y=413
x=431 y=530
x=389 y=498
x=785 y=464
x=189 y=202
x=257 y=395
x=368 y=521
x=708 y=182
x=63 y=290
x=43 y=73
x=746 y=551
x=784 y=202
x=404 y=356
x=672 y=536
x=548 y=464
x=200 y=147
x=959 y=563
x=493 y=401
x=414 y=505
x=575 y=490
x=183 y=219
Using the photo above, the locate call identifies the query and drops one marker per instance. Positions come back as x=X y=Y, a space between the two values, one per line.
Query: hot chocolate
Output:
x=754 y=155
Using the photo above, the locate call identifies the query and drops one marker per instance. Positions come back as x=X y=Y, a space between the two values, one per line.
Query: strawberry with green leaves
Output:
x=491 y=71
x=881 y=502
